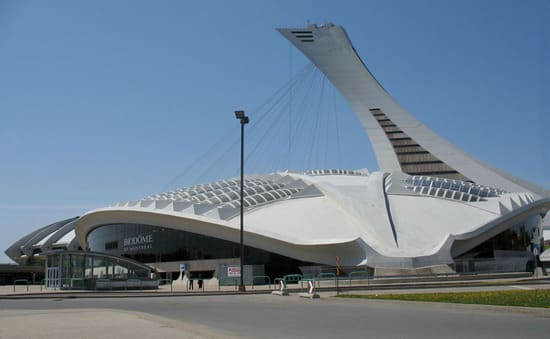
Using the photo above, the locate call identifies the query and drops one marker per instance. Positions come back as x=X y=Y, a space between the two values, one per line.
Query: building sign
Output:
x=233 y=271
x=138 y=243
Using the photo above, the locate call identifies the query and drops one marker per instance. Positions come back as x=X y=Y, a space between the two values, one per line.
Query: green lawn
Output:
x=527 y=298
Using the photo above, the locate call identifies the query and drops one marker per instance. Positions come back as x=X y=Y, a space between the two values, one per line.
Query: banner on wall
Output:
x=233 y=271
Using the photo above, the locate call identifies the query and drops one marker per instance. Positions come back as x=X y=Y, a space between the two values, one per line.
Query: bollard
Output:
x=19 y=281
x=282 y=292
x=310 y=291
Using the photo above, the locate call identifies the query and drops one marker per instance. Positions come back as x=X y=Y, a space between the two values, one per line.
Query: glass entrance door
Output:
x=52 y=280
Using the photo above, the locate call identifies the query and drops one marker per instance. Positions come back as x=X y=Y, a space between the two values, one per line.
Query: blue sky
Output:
x=106 y=101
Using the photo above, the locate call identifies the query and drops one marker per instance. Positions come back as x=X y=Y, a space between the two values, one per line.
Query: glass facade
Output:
x=515 y=249
x=150 y=244
x=87 y=270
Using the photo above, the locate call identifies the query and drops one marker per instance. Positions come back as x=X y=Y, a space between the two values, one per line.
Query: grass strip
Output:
x=525 y=298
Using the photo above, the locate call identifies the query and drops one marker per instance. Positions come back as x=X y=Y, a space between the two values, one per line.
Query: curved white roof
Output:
x=314 y=215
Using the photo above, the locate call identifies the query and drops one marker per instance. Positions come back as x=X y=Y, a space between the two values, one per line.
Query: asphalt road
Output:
x=266 y=316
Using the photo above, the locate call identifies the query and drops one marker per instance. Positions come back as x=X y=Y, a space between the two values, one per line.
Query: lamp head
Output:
x=239 y=115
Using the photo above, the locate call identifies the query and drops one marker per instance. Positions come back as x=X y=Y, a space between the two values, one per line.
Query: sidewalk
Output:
x=84 y=323
x=326 y=287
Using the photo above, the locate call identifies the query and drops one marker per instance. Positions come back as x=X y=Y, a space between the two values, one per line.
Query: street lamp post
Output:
x=244 y=120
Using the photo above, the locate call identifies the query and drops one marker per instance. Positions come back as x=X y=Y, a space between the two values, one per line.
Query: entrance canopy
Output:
x=92 y=270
